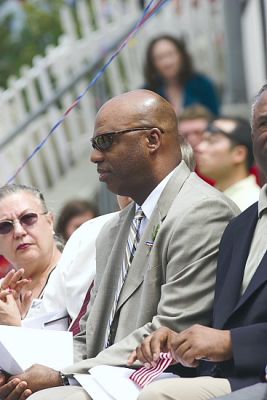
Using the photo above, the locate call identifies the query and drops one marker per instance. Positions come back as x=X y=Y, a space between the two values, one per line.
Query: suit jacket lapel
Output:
x=257 y=280
x=229 y=295
x=138 y=267
x=108 y=272
x=109 y=252
x=140 y=261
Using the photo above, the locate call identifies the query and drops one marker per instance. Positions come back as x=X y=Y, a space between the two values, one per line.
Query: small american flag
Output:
x=143 y=376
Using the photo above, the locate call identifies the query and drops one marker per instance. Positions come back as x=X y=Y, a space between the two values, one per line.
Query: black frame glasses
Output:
x=104 y=141
x=25 y=220
x=214 y=129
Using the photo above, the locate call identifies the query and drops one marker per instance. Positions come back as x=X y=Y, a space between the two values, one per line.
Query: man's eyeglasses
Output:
x=25 y=220
x=215 y=129
x=104 y=141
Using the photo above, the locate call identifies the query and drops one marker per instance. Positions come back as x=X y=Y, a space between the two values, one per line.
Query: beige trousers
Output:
x=202 y=388
x=168 y=389
x=61 y=393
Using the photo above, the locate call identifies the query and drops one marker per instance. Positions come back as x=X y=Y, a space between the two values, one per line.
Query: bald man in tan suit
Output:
x=170 y=280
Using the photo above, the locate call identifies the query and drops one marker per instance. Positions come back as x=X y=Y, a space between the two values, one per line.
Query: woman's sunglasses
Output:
x=104 y=142
x=25 y=220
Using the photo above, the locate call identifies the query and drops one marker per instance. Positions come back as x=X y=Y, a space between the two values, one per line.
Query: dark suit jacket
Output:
x=245 y=316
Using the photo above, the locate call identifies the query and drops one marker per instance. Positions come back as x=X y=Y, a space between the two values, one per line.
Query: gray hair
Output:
x=187 y=153
x=255 y=100
x=8 y=190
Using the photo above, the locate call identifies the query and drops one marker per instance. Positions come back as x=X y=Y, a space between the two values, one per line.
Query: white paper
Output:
x=92 y=387
x=22 y=347
x=112 y=383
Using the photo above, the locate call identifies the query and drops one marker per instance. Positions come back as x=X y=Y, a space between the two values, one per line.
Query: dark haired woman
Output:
x=169 y=72
x=73 y=214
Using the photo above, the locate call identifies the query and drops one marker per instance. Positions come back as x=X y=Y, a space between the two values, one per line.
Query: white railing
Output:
x=34 y=97
x=35 y=101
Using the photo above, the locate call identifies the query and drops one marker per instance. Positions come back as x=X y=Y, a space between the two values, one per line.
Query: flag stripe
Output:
x=143 y=375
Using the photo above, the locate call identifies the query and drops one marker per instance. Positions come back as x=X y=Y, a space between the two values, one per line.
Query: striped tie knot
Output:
x=139 y=214
x=134 y=235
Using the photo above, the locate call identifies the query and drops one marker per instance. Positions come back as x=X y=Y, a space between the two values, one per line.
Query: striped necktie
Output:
x=131 y=246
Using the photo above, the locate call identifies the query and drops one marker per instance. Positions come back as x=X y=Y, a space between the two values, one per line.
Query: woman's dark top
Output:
x=197 y=90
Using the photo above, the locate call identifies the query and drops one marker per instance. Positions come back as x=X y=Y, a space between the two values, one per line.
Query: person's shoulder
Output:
x=240 y=222
x=102 y=219
x=159 y=89
x=195 y=192
x=248 y=214
x=199 y=203
x=200 y=83
x=200 y=79
x=92 y=226
x=202 y=191
x=201 y=89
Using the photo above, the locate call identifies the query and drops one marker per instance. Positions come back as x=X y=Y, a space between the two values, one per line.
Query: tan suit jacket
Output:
x=170 y=284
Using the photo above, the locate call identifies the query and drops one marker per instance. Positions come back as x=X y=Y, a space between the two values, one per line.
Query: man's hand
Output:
x=14 y=389
x=200 y=342
x=187 y=347
x=39 y=377
x=148 y=352
x=35 y=378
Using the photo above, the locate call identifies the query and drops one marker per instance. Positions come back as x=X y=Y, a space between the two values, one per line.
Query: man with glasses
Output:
x=156 y=260
x=225 y=155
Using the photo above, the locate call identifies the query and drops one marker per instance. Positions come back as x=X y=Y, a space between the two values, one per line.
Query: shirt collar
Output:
x=151 y=201
x=242 y=184
x=262 y=206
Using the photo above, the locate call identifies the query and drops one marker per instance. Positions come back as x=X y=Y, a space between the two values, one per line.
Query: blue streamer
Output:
x=147 y=13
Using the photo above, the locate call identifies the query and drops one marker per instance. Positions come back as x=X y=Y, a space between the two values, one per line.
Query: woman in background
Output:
x=169 y=72
x=74 y=214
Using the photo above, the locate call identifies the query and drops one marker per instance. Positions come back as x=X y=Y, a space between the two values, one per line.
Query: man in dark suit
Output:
x=235 y=349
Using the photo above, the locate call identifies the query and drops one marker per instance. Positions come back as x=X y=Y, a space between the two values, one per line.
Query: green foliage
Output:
x=40 y=28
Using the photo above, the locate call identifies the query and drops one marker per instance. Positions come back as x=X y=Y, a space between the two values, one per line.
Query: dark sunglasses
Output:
x=25 y=220
x=104 y=141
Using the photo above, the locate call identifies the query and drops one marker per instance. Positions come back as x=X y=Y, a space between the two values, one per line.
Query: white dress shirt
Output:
x=69 y=282
x=151 y=201
x=259 y=244
x=244 y=193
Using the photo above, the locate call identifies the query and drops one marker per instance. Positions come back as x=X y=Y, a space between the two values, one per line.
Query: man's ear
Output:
x=240 y=153
x=154 y=139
